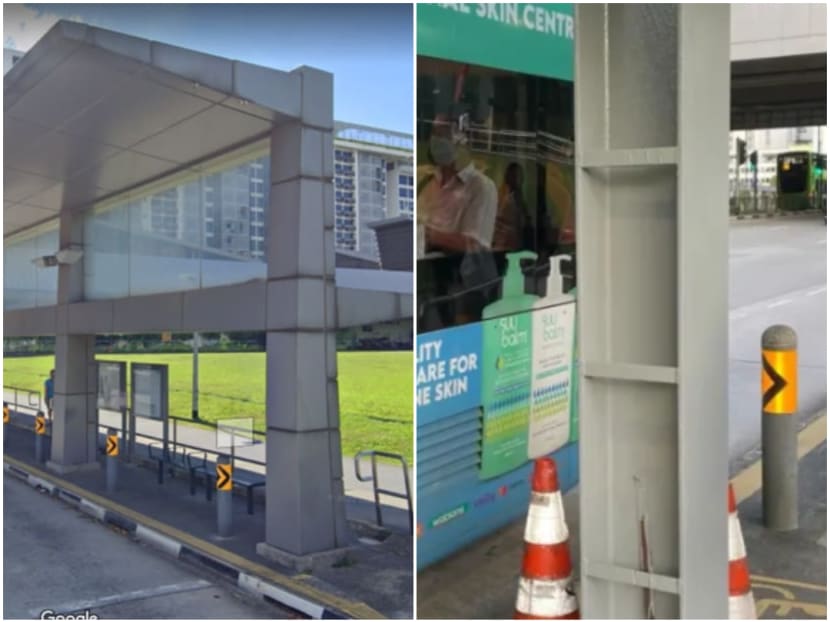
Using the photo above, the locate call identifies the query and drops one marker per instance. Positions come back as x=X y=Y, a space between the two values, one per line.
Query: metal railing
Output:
x=377 y=491
x=28 y=393
x=535 y=146
x=175 y=447
x=746 y=206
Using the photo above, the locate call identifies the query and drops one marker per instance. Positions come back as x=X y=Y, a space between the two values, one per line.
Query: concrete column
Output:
x=74 y=428
x=305 y=502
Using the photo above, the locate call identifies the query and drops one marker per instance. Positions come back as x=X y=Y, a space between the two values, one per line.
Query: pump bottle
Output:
x=506 y=354
x=552 y=361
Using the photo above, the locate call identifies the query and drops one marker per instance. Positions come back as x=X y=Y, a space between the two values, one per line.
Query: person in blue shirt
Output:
x=49 y=392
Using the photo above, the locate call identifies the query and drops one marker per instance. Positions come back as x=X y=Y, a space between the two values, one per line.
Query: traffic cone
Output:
x=741 y=601
x=546 y=583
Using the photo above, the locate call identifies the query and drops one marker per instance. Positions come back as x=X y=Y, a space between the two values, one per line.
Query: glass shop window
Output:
x=494 y=176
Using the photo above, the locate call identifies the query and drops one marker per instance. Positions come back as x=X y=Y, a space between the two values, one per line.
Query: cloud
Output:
x=23 y=26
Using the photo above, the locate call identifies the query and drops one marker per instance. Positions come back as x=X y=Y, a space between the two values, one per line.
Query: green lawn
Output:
x=375 y=391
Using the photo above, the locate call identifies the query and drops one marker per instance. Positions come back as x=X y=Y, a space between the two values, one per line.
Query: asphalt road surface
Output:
x=56 y=558
x=777 y=275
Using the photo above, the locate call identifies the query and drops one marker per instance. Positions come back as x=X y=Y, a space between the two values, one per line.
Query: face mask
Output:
x=443 y=150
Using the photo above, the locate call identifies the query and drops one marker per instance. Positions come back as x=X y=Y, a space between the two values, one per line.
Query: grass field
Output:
x=375 y=391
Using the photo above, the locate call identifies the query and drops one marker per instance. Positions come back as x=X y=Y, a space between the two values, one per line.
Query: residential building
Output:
x=373 y=180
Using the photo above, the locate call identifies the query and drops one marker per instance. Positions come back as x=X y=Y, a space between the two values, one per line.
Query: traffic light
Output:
x=753 y=160
x=740 y=148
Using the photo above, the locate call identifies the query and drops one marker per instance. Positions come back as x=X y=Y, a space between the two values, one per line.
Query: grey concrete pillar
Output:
x=74 y=426
x=305 y=503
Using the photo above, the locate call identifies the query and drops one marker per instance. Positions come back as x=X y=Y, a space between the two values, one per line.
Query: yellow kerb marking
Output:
x=353 y=608
x=748 y=482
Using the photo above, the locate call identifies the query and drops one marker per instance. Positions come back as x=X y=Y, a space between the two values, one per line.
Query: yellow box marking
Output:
x=785 y=601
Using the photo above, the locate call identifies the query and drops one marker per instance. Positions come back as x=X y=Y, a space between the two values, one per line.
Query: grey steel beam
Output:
x=703 y=294
x=652 y=258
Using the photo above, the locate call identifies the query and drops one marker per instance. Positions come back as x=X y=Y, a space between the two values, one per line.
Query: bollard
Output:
x=224 y=495
x=779 y=387
x=112 y=459
x=40 y=433
x=6 y=419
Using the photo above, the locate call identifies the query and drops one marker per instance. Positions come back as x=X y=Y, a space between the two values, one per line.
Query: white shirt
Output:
x=465 y=204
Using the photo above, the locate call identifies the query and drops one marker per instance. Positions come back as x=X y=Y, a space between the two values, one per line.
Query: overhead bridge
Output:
x=778 y=58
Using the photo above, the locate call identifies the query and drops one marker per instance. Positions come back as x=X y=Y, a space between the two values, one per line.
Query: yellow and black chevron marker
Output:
x=779 y=375
x=40 y=424
x=6 y=414
x=224 y=479
x=112 y=445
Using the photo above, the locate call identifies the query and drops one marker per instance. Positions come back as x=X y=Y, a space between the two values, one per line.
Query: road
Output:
x=56 y=558
x=777 y=275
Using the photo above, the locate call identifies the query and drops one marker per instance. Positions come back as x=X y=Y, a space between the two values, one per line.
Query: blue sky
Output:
x=367 y=47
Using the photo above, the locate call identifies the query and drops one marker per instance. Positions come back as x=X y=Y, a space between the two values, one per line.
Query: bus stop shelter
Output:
x=100 y=129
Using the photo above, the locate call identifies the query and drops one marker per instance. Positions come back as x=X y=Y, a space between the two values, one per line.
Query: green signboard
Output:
x=535 y=39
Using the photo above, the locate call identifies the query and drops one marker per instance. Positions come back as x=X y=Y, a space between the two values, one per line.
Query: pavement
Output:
x=788 y=570
x=58 y=559
x=372 y=579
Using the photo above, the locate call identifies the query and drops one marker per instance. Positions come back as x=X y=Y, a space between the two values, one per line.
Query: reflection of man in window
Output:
x=458 y=203
x=457 y=208
x=510 y=218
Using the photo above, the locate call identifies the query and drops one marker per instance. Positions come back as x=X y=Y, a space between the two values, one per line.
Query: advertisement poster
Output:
x=507 y=349
x=448 y=374
x=550 y=406
x=147 y=392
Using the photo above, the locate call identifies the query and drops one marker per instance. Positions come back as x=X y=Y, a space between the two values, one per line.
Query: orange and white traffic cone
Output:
x=741 y=601
x=546 y=584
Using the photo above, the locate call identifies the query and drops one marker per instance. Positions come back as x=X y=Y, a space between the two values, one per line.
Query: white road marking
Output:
x=737 y=315
x=815 y=291
x=822 y=242
x=779 y=303
x=106 y=601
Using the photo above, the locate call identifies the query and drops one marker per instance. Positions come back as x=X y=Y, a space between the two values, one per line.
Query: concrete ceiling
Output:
x=90 y=113
x=787 y=91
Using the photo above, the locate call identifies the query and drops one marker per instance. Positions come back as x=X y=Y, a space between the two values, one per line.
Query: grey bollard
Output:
x=779 y=431
x=224 y=496
x=112 y=459
x=40 y=435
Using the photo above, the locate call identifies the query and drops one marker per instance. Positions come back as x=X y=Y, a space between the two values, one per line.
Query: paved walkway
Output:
x=789 y=572
x=390 y=475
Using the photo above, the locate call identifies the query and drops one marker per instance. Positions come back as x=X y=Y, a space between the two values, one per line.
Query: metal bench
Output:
x=170 y=461
x=201 y=469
